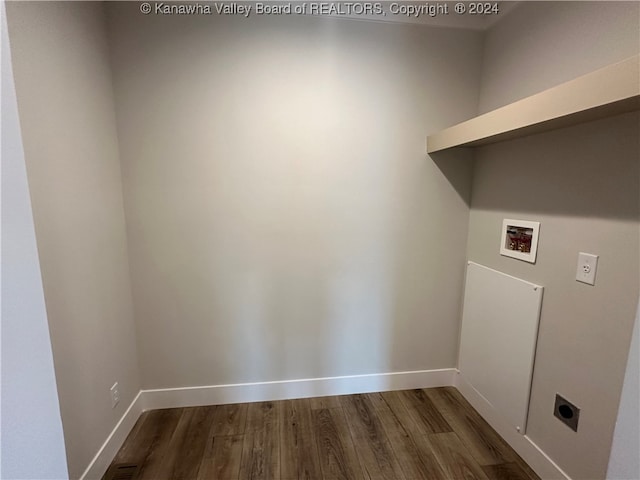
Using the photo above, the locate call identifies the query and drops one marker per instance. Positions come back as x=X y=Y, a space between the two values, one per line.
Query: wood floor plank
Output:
x=338 y=458
x=261 y=447
x=229 y=420
x=487 y=434
x=154 y=441
x=415 y=457
x=506 y=471
x=455 y=460
x=483 y=442
x=298 y=455
x=374 y=451
x=425 y=447
x=391 y=435
x=222 y=457
x=188 y=443
x=136 y=444
x=171 y=456
x=318 y=403
x=531 y=475
x=424 y=412
x=406 y=413
x=396 y=405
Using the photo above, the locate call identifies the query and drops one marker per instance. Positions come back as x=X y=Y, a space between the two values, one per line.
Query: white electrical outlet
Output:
x=115 y=395
x=587 y=266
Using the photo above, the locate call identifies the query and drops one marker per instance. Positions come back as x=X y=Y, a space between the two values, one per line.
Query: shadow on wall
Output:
x=371 y=296
x=279 y=337
x=457 y=167
x=549 y=177
x=299 y=263
x=284 y=221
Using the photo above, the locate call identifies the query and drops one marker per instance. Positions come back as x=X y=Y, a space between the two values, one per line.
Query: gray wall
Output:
x=624 y=462
x=31 y=430
x=582 y=184
x=283 y=221
x=63 y=85
x=541 y=44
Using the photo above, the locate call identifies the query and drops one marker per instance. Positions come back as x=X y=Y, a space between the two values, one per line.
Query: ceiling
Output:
x=437 y=14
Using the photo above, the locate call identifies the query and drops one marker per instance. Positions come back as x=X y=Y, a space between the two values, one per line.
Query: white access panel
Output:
x=498 y=340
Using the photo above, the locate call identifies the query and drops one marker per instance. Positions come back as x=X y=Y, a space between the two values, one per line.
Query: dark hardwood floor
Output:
x=409 y=435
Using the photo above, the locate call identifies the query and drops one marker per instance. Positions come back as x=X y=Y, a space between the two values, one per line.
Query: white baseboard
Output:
x=98 y=466
x=288 y=389
x=317 y=387
x=544 y=466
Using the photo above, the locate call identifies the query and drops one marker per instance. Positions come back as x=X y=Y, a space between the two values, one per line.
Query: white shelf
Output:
x=608 y=91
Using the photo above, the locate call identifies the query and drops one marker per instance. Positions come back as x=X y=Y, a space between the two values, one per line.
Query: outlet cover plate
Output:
x=115 y=395
x=587 y=266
